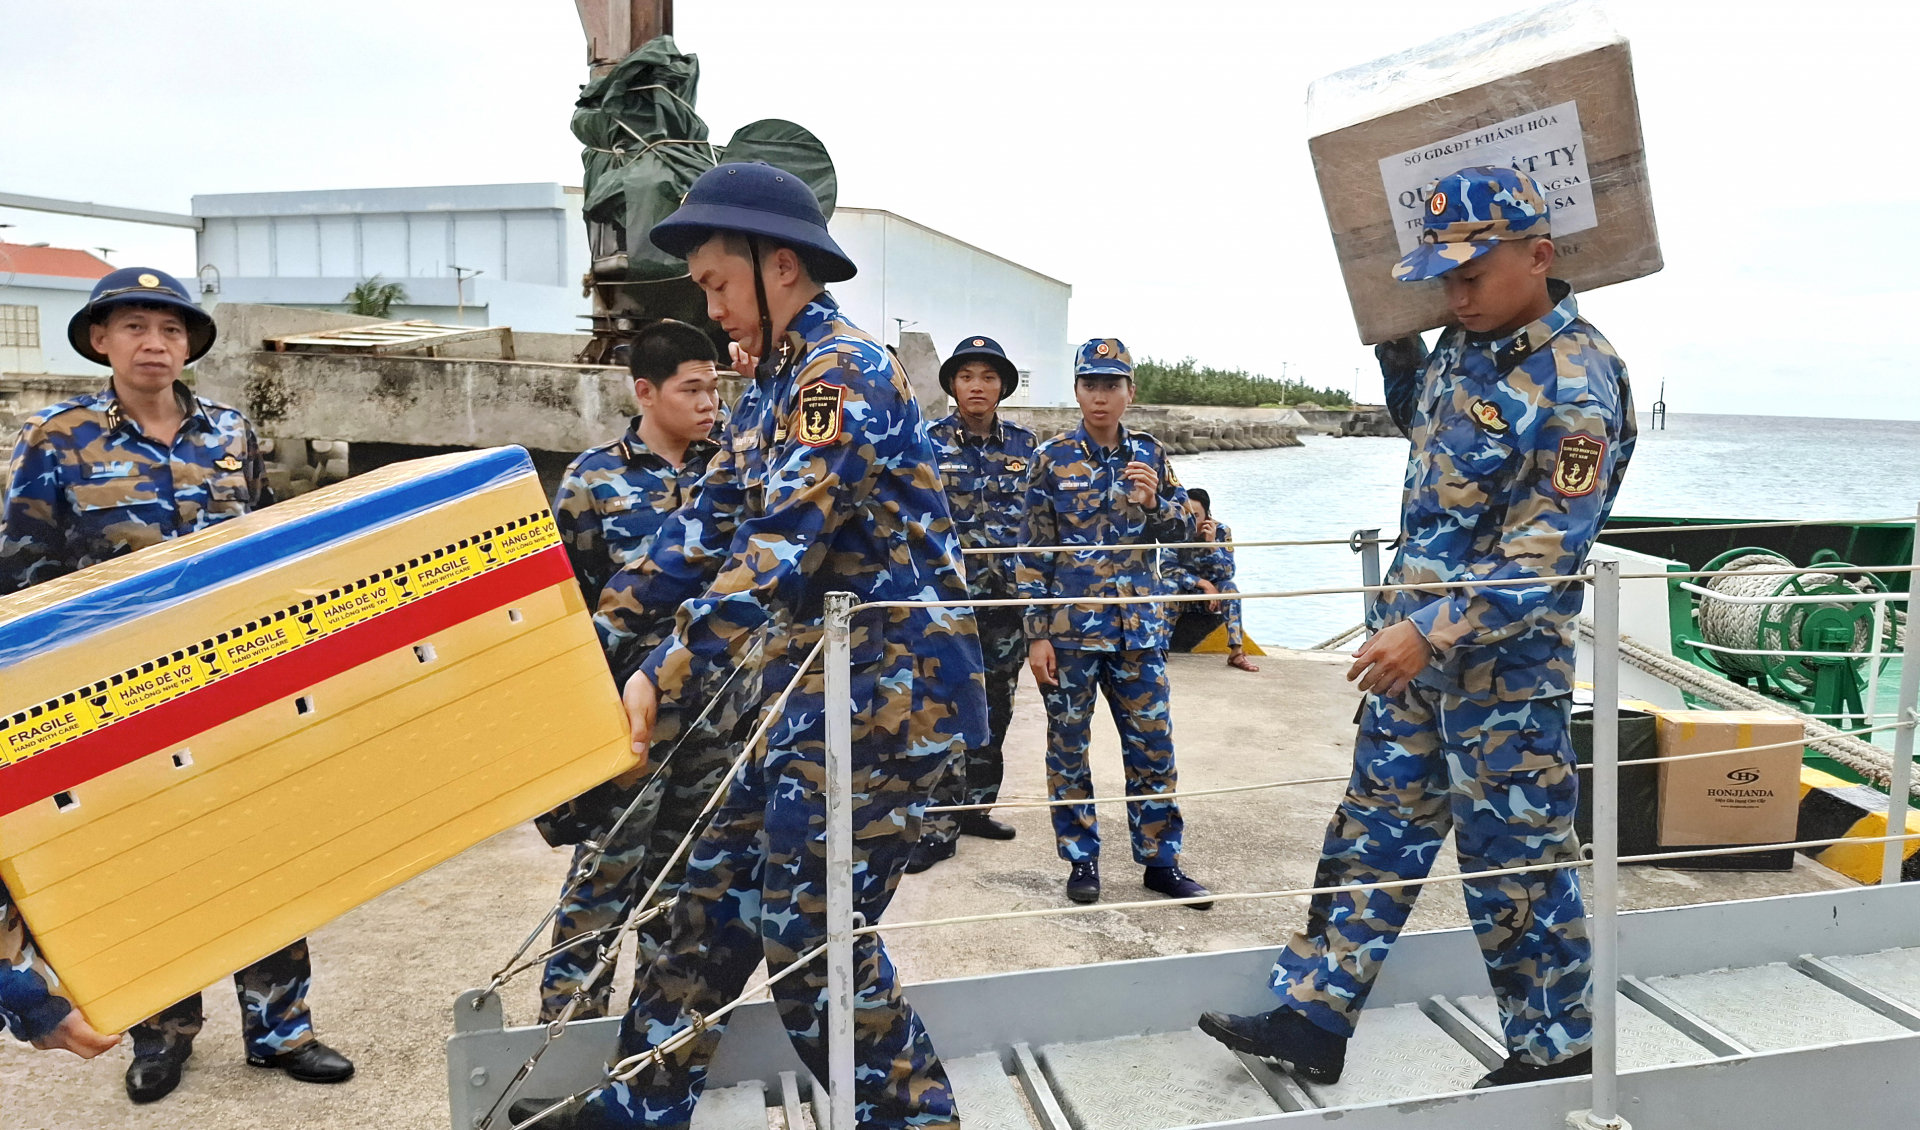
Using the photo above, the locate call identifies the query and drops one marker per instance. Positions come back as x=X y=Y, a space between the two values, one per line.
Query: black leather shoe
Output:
x=1083 y=882
x=310 y=1063
x=926 y=853
x=576 y=1115
x=1517 y=1070
x=986 y=827
x=1177 y=884
x=151 y=1078
x=1285 y=1035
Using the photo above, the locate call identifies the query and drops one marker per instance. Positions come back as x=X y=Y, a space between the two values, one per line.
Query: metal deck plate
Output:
x=1894 y=972
x=1152 y=1082
x=1397 y=1053
x=983 y=1091
x=1771 y=1007
x=1645 y=1039
x=740 y=1107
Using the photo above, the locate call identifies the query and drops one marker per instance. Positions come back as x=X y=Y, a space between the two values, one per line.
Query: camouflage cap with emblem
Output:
x=980 y=348
x=1468 y=214
x=139 y=286
x=1103 y=357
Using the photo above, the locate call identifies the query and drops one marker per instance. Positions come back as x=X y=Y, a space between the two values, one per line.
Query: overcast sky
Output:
x=1151 y=154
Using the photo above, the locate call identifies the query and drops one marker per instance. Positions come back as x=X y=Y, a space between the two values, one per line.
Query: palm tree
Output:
x=372 y=298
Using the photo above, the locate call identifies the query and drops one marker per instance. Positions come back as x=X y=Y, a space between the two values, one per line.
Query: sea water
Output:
x=1749 y=468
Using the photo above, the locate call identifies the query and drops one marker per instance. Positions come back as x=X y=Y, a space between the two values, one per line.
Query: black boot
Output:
x=926 y=853
x=1283 y=1034
x=986 y=827
x=153 y=1075
x=1517 y=1070
x=1176 y=884
x=1083 y=882
x=313 y=1062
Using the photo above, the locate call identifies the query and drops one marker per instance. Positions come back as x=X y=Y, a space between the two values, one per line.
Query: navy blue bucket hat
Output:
x=139 y=286
x=980 y=349
x=755 y=198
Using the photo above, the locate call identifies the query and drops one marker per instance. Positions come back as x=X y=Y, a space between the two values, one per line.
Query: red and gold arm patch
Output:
x=1576 y=466
x=822 y=414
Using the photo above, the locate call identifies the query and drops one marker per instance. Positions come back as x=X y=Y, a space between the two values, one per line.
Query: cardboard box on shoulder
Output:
x=1722 y=801
x=214 y=745
x=1548 y=91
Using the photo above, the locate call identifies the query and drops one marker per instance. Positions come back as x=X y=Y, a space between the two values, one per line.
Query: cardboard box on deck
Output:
x=1724 y=801
x=214 y=745
x=1549 y=91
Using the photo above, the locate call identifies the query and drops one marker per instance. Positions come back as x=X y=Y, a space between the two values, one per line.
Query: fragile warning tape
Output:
x=49 y=725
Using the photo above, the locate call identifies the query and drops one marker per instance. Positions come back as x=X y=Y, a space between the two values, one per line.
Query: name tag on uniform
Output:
x=747 y=441
x=109 y=470
x=1075 y=484
x=955 y=467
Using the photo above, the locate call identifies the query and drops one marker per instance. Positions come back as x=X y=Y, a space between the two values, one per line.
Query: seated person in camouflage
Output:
x=1200 y=570
x=141 y=461
x=1103 y=485
x=31 y=1004
x=984 y=463
x=610 y=505
x=1522 y=425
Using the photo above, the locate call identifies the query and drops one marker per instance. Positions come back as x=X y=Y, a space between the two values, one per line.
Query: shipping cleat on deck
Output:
x=986 y=827
x=1177 y=884
x=1083 y=882
x=1284 y=1035
x=1517 y=1070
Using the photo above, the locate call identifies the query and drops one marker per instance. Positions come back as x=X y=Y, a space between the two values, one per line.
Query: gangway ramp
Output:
x=1766 y=1013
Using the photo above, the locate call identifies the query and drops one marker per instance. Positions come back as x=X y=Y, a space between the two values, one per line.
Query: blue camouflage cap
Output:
x=1103 y=357
x=140 y=286
x=1470 y=212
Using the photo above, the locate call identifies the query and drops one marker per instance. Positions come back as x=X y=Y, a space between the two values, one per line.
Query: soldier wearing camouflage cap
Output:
x=1103 y=485
x=1522 y=425
x=142 y=461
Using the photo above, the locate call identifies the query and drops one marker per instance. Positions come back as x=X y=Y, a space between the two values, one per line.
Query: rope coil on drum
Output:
x=1779 y=627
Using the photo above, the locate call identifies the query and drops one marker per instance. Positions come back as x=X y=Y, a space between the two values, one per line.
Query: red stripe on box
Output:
x=171 y=723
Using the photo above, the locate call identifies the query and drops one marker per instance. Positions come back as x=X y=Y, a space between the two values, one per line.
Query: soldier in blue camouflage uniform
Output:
x=32 y=1006
x=610 y=504
x=1208 y=570
x=105 y=474
x=1522 y=426
x=985 y=460
x=826 y=481
x=1103 y=485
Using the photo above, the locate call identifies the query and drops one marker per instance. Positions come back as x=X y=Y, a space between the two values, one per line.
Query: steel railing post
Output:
x=1902 y=779
x=839 y=784
x=1367 y=544
x=1605 y=977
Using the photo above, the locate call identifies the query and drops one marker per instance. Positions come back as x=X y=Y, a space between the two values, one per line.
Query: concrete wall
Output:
x=948 y=289
x=310 y=248
x=57 y=299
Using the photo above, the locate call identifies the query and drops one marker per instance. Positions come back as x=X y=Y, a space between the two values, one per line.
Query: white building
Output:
x=915 y=278
x=485 y=254
x=41 y=289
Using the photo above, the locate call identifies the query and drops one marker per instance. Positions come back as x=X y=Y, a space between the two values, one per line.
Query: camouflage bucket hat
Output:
x=1103 y=357
x=1468 y=214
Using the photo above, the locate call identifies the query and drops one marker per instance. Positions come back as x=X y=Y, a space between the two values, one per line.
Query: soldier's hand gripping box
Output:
x=1753 y=798
x=215 y=745
x=1549 y=91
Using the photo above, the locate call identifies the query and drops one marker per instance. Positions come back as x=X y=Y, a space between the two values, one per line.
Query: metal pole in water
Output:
x=1903 y=737
x=1605 y=977
x=1367 y=544
x=839 y=784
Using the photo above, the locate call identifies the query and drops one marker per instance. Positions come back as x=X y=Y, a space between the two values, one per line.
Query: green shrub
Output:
x=1188 y=383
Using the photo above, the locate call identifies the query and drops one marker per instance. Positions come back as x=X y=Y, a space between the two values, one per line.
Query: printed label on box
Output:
x=1545 y=144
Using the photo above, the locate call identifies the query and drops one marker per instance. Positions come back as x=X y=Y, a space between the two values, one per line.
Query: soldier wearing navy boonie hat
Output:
x=111 y=472
x=1522 y=425
x=986 y=351
x=821 y=485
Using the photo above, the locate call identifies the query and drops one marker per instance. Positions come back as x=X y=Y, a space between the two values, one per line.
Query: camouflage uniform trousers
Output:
x=1501 y=775
x=668 y=808
x=975 y=777
x=1230 y=610
x=1135 y=685
x=273 y=1010
x=756 y=887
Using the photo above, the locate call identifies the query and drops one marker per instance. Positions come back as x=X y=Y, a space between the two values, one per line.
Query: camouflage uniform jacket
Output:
x=612 y=500
x=29 y=1002
x=87 y=484
x=1077 y=496
x=1519 y=447
x=986 y=483
x=1182 y=569
x=826 y=481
